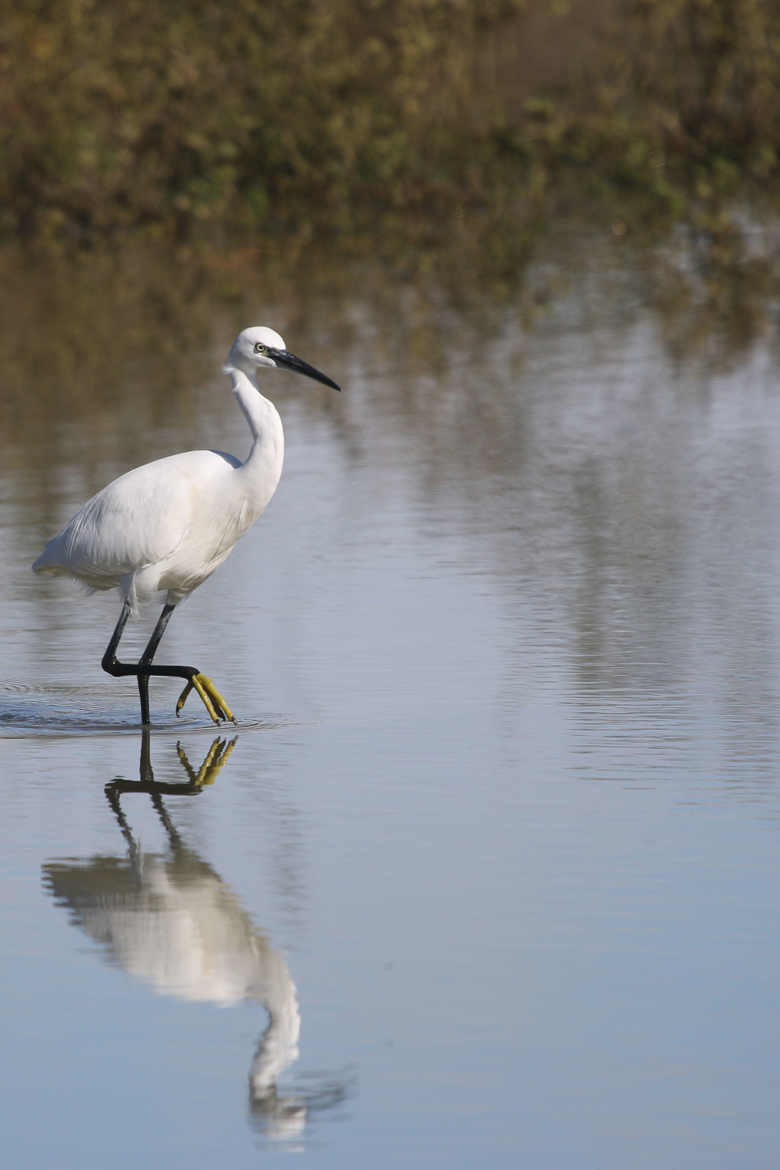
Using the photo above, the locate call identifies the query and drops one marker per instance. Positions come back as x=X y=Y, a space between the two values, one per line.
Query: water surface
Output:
x=486 y=874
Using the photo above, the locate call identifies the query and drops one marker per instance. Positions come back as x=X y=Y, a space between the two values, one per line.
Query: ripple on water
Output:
x=66 y=709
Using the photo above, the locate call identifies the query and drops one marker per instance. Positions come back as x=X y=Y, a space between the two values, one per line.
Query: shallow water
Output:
x=486 y=874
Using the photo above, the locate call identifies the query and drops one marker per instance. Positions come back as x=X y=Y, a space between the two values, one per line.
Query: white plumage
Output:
x=166 y=526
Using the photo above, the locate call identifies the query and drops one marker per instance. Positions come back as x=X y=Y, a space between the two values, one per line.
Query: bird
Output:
x=164 y=527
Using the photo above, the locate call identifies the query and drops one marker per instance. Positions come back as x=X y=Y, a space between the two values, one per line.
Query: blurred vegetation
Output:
x=195 y=118
x=121 y=339
x=464 y=153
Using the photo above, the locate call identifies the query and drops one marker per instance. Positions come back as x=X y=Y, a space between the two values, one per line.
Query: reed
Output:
x=179 y=119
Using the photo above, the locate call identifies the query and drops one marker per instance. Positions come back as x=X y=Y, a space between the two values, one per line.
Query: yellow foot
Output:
x=212 y=699
x=215 y=758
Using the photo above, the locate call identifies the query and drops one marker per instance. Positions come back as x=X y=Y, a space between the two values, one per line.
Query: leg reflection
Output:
x=168 y=918
x=216 y=757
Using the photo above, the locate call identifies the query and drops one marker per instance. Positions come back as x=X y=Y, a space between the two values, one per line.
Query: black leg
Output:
x=212 y=700
x=109 y=661
x=146 y=658
x=143 y=668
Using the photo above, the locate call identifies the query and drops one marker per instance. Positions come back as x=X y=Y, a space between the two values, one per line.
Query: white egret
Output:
x=166 y=526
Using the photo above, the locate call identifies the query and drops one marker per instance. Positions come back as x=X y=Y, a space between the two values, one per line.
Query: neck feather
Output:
x=262 y=468
x=261 y=415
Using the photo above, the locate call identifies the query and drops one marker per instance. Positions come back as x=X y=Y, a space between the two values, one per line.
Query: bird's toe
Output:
x=212 y=700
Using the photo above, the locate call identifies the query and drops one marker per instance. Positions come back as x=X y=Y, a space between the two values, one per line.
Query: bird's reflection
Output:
x=170 y=920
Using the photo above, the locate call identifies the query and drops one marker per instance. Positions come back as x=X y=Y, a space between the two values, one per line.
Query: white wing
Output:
x=140 y=519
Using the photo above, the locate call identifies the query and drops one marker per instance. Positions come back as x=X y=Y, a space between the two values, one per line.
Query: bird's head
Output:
x=260 y=346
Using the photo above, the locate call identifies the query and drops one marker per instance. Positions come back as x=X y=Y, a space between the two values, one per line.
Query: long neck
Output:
x=263 y=466
x=278 y=1045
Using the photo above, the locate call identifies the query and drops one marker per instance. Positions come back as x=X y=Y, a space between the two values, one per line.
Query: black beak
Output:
x=289 y=361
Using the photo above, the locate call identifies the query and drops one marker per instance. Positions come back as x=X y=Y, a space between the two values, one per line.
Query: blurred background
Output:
x=487 y=872
x=172 y=159
x=380 y=117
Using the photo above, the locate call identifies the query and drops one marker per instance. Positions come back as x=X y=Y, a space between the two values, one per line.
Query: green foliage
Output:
x=179 y=117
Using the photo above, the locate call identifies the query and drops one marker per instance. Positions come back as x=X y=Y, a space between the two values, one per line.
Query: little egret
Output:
x=166 y=526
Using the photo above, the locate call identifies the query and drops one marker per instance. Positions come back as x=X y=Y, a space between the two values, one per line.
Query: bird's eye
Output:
x=260 y=348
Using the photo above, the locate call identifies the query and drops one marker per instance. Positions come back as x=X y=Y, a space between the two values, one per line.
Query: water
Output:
x=486 y=874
